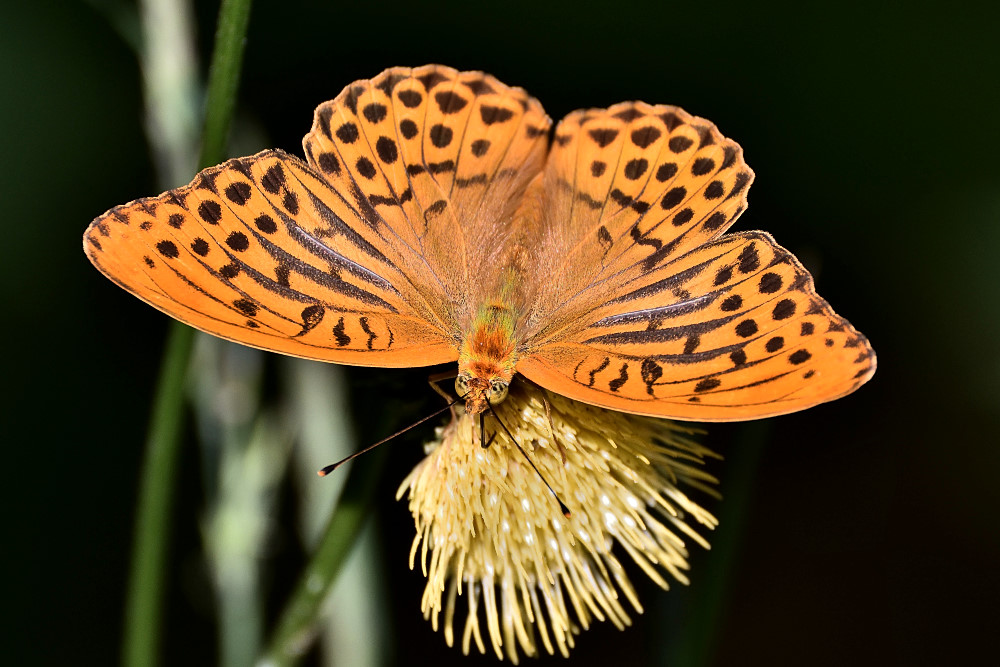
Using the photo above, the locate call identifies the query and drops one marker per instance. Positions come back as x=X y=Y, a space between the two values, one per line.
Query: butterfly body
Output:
x=437 y=219
x=488 y=354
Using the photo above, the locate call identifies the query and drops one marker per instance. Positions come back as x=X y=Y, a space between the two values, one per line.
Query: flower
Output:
x=489 y=528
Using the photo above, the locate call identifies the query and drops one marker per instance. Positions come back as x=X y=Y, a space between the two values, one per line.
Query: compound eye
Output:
x=498 y=391
x=462 y=384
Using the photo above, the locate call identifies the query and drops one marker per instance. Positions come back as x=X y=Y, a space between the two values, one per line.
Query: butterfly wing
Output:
x=262 y=251
x=627 y=189
x=443 y=158
x=668 y=317
x=357 y=257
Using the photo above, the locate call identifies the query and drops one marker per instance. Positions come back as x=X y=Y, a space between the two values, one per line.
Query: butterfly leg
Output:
x=552 y=429
x=482 y=432
x=433 y=381
x=435 y=378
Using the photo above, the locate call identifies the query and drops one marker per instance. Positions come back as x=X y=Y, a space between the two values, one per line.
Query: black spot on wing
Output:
x=210 y=211
x=374 y=112
x=603 y=137
x=492 y=114
x=274 y=179
x=644 y=137
x=245 y=306
x=389 y=83
x=431 y=79
x=386 y=149
x=339 y=336
x=167 y=249
x=742 y=180
x=351 y=98
x=604 y=364
x=325 y=114
x=650 y=372
x=450 y=102
x=329 y=163
x=479 y=147
x=604 y=238
x=363 y=321
x=441 y=135
x=629 y=114
x=679 y=144
x=410 y=98
x=783 y=309
x=635 y=168
x=479 y=86
x=707 y=384
x=671 y=120
x=311 y=317
x=408 y=128
x=622 y=378
x=348 y=133
x=799 y=356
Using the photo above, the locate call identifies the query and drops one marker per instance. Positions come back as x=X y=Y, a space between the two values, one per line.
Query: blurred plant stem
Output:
x=245 y=452
x=296 y=627
x=224 y=79
x=144 y=608
x=317 y=405
x=170 y=87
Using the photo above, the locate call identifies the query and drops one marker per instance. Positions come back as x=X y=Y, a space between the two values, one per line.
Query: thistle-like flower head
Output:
x=489 y=529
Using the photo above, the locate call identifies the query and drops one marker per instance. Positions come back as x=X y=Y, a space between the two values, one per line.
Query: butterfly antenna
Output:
x=323 y=472
x=562 y=505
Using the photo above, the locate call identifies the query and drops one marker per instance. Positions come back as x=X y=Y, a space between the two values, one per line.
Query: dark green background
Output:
x=870 y=533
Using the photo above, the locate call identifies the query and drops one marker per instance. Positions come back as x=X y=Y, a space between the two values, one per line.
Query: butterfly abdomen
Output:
x=488 y=349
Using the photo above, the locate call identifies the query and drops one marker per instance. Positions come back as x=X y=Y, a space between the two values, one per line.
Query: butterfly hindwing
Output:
x=731 y=330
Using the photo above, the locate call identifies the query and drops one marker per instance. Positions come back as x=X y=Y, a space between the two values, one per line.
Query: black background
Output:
x=869 y=534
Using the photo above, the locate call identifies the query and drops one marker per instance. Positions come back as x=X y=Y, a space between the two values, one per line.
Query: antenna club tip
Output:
x=565 y=510
x=323 y=472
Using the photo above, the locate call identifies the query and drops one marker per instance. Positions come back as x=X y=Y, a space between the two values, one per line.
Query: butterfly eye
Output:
x=462 y=384
x=498 y=391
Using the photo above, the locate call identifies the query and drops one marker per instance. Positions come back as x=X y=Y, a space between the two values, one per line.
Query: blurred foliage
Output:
x=870 y=534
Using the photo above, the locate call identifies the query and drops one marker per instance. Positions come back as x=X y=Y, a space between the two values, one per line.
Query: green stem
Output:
x=224 y=78
x=296 y=626
x=144 y=608
x=152 y=526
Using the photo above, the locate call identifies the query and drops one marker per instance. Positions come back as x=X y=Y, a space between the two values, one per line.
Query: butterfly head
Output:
x=480 y=391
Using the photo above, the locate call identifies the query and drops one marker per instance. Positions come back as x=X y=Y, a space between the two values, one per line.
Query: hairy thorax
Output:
x=487 y=356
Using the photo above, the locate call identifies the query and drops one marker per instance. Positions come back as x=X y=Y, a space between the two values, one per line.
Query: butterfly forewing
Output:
x=255 y=251
x=731 y=330
x=442 y=157
x=362 y=256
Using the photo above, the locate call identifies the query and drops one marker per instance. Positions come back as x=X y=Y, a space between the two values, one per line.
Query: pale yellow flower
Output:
x=489 y=529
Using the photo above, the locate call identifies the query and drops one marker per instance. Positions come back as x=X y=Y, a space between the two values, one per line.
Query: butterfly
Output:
x=438 y=218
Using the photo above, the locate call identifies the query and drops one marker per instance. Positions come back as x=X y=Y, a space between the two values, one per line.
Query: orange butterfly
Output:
x=434 y=221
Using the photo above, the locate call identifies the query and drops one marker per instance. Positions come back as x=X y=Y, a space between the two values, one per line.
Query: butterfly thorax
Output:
x=488 y=353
